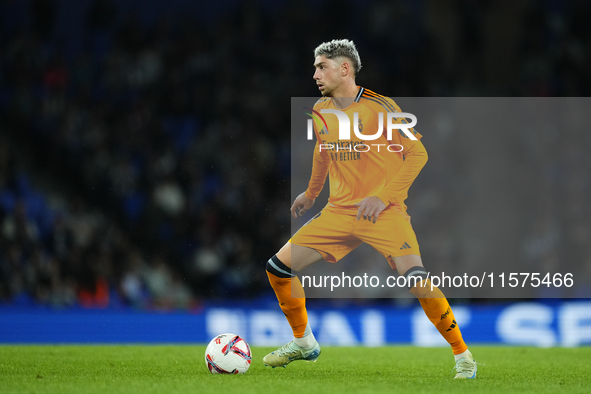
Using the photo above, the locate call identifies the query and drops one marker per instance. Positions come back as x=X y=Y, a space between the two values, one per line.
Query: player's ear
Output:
x=345 y=69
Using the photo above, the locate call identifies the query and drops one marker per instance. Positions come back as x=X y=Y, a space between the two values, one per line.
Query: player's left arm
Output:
x=415 y=158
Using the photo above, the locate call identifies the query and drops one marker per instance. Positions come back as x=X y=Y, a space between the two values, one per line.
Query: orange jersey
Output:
x=359 y=168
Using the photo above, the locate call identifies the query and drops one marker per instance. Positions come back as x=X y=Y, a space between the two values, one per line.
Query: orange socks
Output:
x=283 y=282
x=433 y=302
x=436 y=308
x=439 y=312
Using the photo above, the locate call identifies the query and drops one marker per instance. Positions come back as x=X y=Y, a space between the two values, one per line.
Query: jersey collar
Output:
x=359 y=93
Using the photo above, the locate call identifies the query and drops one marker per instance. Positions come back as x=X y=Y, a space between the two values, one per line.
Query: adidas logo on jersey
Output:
x=405 y=246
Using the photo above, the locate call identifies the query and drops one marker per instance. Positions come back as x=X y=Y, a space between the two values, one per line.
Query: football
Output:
x=227 y=354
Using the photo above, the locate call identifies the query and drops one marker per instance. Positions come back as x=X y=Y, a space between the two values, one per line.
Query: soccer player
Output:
x=366 y=204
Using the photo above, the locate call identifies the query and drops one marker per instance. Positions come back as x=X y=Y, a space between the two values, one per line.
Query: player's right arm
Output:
x=320 y=167
x=302 y=203
x=319 y=172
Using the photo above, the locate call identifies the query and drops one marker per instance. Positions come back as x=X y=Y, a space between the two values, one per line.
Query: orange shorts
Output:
x=335 y=231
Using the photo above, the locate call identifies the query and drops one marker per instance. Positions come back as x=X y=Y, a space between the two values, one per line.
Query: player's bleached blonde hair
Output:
x=340 y=48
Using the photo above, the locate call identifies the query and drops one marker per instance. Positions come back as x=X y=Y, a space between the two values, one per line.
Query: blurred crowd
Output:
x=74 y=255
x=169 y=137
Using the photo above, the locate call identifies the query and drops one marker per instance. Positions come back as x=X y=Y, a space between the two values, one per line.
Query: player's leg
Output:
x=282 y=270
x=325 y=237
x=292 y=300
x=438 y=310
x=392 y=235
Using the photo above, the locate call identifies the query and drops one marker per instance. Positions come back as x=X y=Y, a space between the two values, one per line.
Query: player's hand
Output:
x=302 y=203
x=370 y=208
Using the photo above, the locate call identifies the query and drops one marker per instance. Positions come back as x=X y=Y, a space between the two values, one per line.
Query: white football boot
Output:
x=291 y=352
x=465 y=368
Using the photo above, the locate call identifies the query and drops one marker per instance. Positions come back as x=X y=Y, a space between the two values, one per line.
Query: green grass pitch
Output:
x=181 y=369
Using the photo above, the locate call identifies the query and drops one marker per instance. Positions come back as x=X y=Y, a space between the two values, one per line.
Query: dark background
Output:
x=145 y=145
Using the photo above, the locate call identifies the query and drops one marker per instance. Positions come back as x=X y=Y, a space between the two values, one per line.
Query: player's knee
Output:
x=277 y=268
x=284 y=254
x=416 y=278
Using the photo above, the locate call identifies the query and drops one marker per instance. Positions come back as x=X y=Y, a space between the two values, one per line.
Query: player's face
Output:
x=328 y=75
